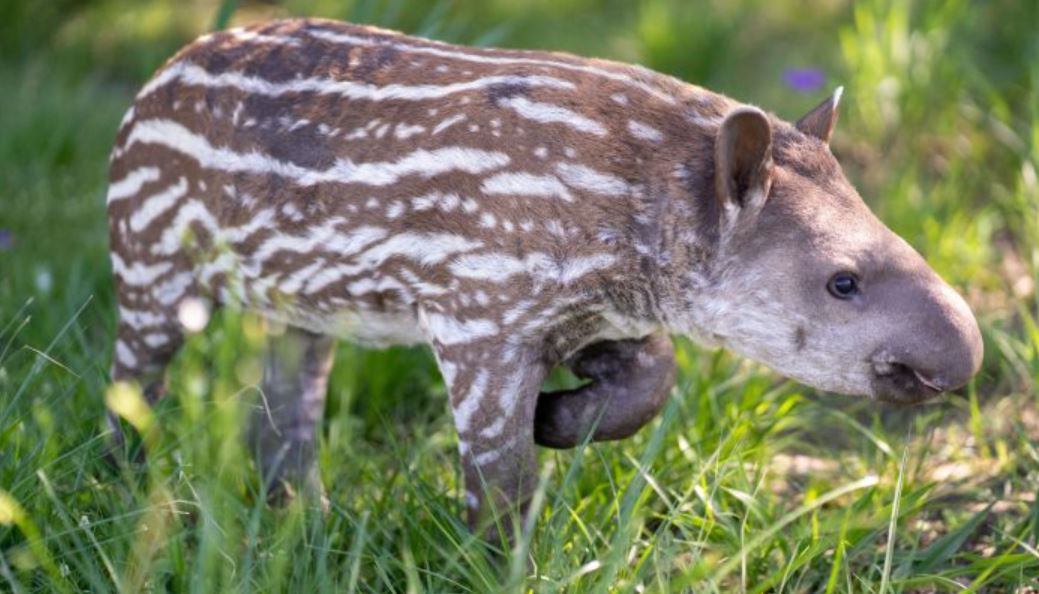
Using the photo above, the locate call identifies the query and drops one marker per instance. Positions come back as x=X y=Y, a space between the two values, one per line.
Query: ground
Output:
x=746 y=483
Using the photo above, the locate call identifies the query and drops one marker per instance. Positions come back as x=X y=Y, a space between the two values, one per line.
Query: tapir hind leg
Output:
x=148 y=335
x=630 y=382
x=284 y=424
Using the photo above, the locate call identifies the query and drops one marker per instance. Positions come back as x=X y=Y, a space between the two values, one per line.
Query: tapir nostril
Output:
x=932 y=383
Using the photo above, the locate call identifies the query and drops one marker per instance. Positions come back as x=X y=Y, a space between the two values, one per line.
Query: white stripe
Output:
x=494 y=429
x=586 y=178
x=420 y=162
x=451 y=121
x=574 y=268
x=549 y=113
x=241 y=34
x=425 y=248
x=644 y=131
x=126 y=118
x=131 y=184
x=138 y=319
x=154 y=206
x=258 y=222
x=292 y=285
x=192 y=74
x=368 y=285
x=510 y=391
x=326 y=238
x=463 y=411
x=155 y=339
x=449 y=330
x=492 y=267
x=138 y=274
x=487 y=457
x=498 y=267
x=191 y=211
x=406 y=131
x=526 y=184
x=124 y=354
x=517 y=311
x=170 y=291
x=446 y=52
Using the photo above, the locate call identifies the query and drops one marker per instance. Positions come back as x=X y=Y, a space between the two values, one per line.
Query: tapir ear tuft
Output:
x=743 y=158
x=821 y=121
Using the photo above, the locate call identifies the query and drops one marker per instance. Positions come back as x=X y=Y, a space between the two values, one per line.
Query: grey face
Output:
x=812 y=284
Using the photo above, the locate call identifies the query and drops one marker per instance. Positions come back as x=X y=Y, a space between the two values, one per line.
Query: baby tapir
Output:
x=516 y=211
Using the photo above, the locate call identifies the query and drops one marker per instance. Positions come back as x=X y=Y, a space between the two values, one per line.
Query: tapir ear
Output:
x=821 y=121
x=743 y=158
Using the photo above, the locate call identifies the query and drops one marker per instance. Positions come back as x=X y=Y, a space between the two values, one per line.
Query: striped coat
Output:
x=509 y=208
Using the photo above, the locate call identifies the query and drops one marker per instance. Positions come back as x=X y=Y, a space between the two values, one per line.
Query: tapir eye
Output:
x=843 y=285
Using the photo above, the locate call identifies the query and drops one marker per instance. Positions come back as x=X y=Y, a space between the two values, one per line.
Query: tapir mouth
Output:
x=901 y=384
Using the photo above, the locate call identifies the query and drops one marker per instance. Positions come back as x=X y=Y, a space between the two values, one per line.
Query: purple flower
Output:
x=6 y=240
x=804 y=80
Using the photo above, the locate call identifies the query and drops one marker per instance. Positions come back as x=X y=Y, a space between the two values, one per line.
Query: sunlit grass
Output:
x=745 y=484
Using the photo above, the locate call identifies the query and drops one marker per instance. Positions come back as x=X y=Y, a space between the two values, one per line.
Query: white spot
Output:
x=395 y=209
x=644 y=131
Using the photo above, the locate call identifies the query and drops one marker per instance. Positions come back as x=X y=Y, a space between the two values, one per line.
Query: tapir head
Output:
x=809 y=282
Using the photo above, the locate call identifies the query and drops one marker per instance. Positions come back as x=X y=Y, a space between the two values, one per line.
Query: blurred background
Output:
x=939 y=130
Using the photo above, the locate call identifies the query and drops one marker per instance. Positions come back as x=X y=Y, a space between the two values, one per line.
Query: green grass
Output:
x=745 y=484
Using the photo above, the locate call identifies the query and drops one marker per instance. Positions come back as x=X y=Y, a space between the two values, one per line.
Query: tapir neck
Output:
x=672 y=238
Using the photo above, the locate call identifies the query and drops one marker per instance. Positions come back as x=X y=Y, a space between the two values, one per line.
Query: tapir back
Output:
x=338 y=176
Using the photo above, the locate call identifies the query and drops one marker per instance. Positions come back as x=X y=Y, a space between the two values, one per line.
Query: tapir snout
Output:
x=934 y=344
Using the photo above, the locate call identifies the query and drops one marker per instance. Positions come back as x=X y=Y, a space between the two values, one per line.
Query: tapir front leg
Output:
x=284 y=424
x=630 y=381
x=493 y=388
